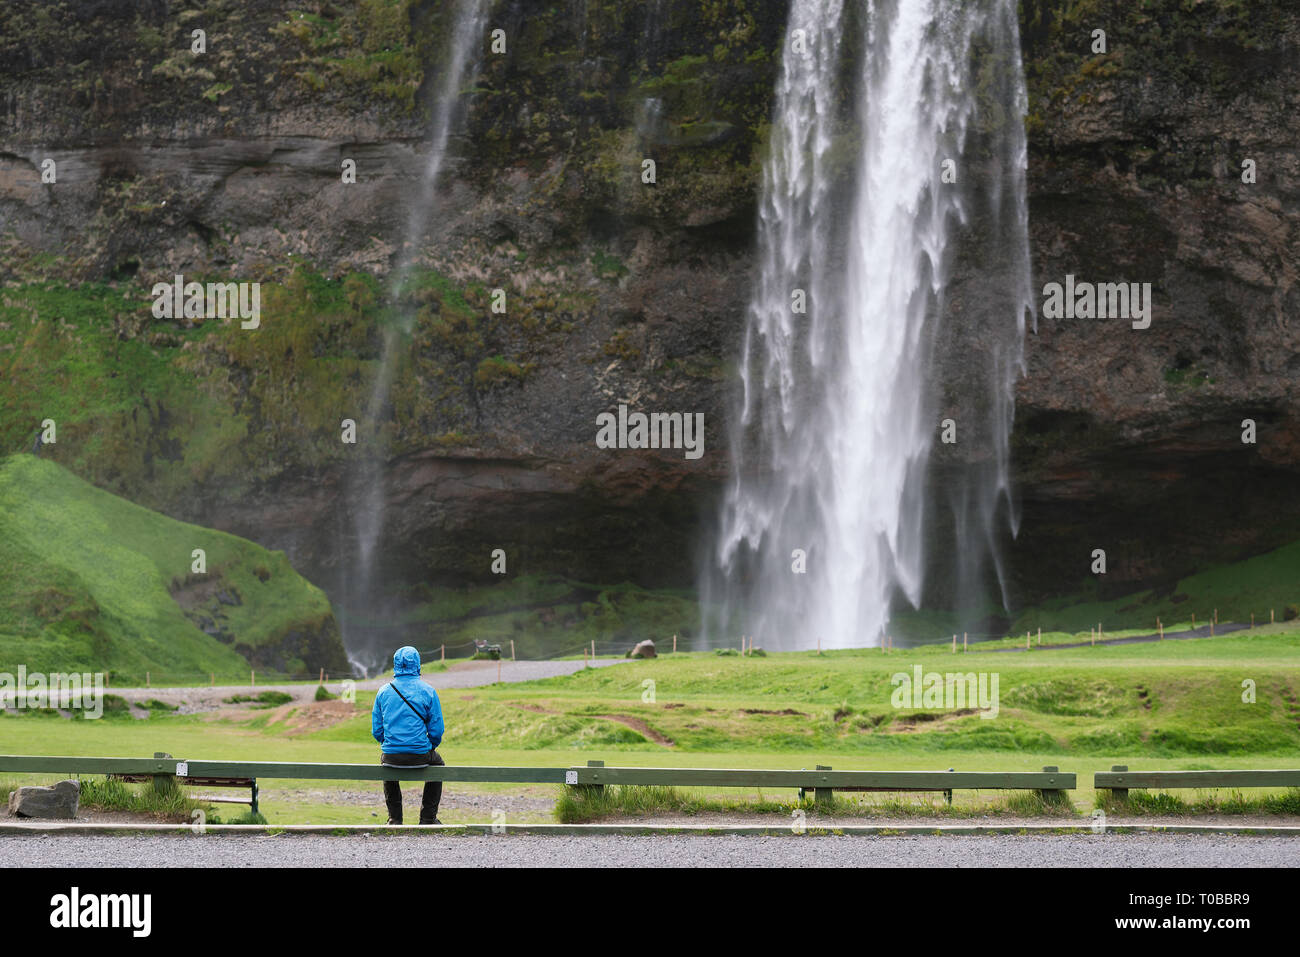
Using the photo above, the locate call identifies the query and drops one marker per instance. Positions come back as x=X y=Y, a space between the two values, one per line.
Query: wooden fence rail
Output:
x=1119 y=779
x=823 y=781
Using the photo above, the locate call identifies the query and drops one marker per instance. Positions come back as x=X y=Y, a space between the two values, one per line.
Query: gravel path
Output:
x=229 y=850
x=466 y=674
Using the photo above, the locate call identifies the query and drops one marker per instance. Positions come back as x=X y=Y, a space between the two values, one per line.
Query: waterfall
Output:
x=364 y=611
x=859 y=226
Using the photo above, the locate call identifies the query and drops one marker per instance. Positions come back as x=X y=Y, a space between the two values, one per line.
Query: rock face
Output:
x=59 y=801
x=229 y=164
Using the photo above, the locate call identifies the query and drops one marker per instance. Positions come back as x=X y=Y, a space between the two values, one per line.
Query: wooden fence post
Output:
x=823 y=795
x=1051 y=794
x=512 y=649
x=1120 y=794
x=162 y=783
x=963 y=641
x=674 y=644
x=954 y=643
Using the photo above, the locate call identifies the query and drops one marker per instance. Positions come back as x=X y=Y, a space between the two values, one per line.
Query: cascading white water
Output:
x=368 y=492
x=835 y=422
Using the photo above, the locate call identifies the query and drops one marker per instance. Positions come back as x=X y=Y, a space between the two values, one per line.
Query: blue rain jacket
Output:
x=395 y=725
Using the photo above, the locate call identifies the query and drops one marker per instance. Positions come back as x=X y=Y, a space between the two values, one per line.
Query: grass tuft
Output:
x=1160 y=803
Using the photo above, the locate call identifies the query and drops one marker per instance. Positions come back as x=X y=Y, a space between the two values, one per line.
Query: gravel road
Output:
x=665 y=850
x=465 y=674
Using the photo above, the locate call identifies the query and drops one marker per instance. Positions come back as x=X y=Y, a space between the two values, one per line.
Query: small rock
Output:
x=57 y=801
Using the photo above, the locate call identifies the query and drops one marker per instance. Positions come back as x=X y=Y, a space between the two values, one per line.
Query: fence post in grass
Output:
x=948 y=794
x=1120 y=794
x=1270 y=616
x=963 y=641
x=954 y=644
x=1040 y=634
x=442 y=654
x=674 y=644
x=162 y=783
x=512 y=649
x=1051 y=794
x=498 y=671
x=1216 y=616
x=322 y=676
x=1193 y=620
x=1026 y=641
x=823 y=795
x=1211 y=629
x=593 y=649
x=1161 y=627
x=1252 y=619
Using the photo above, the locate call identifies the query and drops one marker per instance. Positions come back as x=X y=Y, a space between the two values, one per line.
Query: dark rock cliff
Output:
x=227 y=165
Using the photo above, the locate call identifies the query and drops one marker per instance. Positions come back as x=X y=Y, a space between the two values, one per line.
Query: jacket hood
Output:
x=406 y=661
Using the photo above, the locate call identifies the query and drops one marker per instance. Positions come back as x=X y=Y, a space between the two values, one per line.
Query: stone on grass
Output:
x=57 y=801
x=643 y=649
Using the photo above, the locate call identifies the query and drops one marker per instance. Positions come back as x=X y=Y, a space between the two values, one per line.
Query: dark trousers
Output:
x=432 y=789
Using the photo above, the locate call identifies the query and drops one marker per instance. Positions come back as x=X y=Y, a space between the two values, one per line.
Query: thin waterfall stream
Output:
x=364 y=608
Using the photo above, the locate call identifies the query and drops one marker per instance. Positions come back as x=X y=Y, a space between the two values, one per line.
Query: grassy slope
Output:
x=1251 y=587
x=85 y=582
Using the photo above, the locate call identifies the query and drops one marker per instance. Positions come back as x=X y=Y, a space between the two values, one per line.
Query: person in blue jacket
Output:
x=407 y=723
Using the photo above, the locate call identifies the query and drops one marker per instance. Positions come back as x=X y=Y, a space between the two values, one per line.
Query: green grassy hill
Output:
x=1256 y=586
x=90 y=581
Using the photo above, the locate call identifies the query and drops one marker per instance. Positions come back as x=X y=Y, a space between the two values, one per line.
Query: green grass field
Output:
x=1176 y=705
x=92 y=582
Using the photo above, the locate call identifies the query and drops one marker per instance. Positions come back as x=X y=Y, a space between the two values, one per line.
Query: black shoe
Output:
x=423 y=820
x=398 y=821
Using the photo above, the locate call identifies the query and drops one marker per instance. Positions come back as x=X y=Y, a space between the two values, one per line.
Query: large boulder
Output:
x=57 y=801
x=643 y=649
